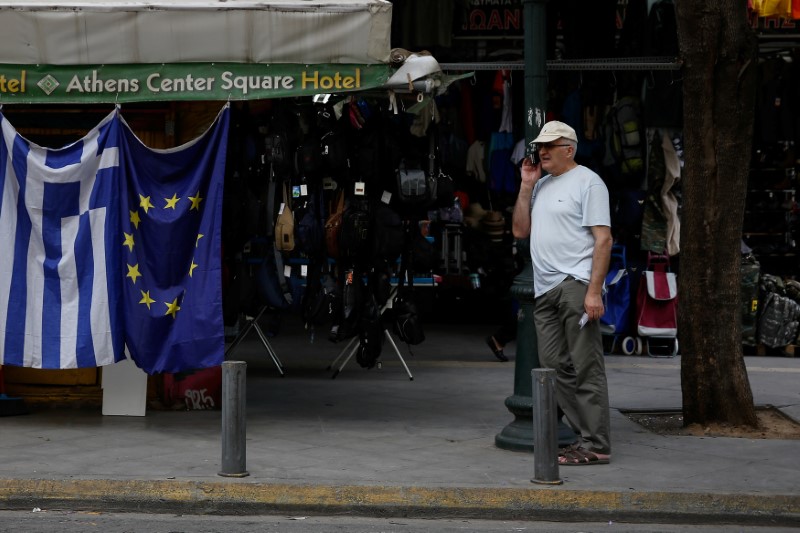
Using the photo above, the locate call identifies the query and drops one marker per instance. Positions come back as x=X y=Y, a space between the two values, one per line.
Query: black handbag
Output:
x=415 y=187
x=406 y=321
x=407 y=324
x=370 y=334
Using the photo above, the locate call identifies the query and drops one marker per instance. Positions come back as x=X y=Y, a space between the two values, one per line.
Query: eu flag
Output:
x=172 y=292
x=61 y=277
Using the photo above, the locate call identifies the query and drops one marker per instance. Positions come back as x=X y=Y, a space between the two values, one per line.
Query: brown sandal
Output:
x=581 y=457
x=569 y=447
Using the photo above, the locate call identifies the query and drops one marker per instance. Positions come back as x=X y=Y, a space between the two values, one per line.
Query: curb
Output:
x=547 y=503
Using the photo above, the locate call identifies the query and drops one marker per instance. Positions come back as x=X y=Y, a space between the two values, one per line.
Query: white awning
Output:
x=96 y=32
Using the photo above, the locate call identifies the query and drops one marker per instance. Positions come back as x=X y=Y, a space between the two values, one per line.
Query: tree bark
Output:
x=719 y=53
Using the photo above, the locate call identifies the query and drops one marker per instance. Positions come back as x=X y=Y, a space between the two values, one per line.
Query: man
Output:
x=566 y=214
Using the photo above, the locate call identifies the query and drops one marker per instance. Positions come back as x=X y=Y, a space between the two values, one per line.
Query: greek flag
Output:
x=107 y=244
x=60 y=264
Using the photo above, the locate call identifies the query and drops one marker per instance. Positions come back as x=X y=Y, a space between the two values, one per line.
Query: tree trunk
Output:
x=719 y=53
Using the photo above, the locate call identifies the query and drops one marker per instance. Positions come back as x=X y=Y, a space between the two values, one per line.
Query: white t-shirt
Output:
x=563 y=210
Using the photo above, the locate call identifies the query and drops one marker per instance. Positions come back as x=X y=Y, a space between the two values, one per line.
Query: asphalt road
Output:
x=63 y=521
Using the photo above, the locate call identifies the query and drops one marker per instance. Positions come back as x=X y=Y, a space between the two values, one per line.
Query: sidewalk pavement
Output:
x=373 y=442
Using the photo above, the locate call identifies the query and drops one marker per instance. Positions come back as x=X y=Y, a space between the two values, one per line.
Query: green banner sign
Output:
x=188 y=81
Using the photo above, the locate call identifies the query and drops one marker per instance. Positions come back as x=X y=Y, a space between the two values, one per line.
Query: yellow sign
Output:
x=9 y=84
x=332 y=82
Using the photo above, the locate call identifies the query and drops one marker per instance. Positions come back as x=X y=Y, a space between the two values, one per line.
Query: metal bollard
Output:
x=545 y=439
x=234 y=427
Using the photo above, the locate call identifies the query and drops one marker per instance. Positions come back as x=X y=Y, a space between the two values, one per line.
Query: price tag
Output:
x=329 y=184
x=304 y=190
x=359 y=188
x=280 y=209
x=303 y=270
x=386 y=197
x=287 y=271
x=295 y=191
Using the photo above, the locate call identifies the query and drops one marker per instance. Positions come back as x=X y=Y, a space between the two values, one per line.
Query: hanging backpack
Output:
x=276 y=149
x=307 y=158
x=354 y=239
x=333 y=226
x=415 y=187
x=309 y=231
x=284 y=225
x=388 y=235
x=271 y=287
x=333 y=152
x=751 y=272
x=626 y=139
x=370 y=159
x=778 y=323
x=779 y=314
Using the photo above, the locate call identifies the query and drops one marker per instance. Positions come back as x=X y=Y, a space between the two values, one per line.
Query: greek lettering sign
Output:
x=489 y=18
x=189 y=81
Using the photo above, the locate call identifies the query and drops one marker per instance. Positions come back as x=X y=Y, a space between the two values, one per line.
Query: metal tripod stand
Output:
x=252 y=323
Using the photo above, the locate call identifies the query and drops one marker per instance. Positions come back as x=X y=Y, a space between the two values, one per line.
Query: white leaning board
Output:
x=124 y=389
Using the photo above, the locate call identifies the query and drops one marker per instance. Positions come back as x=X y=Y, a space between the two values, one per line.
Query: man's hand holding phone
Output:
x=531 y=169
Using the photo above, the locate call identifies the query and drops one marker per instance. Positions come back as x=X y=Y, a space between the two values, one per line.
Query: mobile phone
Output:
x=534 y=157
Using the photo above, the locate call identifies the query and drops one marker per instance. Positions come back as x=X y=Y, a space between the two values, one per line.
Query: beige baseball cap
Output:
x=555 y=130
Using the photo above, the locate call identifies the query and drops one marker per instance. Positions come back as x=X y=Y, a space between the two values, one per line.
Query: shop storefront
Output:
x=612 y=62
x=338 y=110
x=171 y=66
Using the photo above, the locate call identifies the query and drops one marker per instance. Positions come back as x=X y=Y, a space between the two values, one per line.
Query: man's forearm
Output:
x=521 y=219
x=600 y=258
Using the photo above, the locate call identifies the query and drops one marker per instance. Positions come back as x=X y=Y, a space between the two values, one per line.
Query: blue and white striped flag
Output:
x=61 y=277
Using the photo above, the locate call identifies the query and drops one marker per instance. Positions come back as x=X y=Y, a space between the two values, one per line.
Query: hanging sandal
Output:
x=581 y=457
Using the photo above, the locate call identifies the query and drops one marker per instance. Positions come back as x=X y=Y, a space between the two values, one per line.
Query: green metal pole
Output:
x=518 y=434
x=535 y=20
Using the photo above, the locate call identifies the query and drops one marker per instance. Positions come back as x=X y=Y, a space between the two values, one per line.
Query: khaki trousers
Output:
x=577 y=356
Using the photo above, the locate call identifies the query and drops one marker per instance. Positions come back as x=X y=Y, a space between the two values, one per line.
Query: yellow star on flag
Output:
x=128 y=241
x=133 y=272
x=146 y=299
x=172 y=308
x=197 y=242
x=195 y=201
x=171 y=202
x=135 y=219
x=192 y=267
x=144 y=203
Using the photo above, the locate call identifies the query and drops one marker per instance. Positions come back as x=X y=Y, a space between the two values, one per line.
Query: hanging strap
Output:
x=406 y=259
x=340 y=202
x=271 y=203
x=287 y=291
x=285 y=198
x=432 y=150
